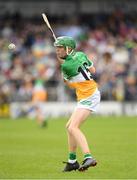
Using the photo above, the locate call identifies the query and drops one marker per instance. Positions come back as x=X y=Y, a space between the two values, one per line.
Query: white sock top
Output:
x=72 y=161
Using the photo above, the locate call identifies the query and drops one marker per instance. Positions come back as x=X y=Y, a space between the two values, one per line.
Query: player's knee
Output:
x=71 y=129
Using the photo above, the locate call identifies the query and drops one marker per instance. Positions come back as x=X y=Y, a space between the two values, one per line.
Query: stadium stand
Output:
x=109 y=39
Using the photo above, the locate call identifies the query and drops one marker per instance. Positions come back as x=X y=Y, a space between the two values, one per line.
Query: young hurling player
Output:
x=77 y=71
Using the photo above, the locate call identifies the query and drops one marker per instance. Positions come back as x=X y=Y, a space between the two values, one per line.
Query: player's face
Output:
x=61 y=52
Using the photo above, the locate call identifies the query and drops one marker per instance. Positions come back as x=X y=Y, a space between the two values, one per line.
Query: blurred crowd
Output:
x=31 y=69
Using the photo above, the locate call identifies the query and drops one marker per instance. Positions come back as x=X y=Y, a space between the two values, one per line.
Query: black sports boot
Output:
x=71 y=166
x=87 y=163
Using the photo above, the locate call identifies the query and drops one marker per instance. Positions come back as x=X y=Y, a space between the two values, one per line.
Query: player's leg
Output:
x=40 y=115
x=72 y=144
x=72 y=163
x=77 y=118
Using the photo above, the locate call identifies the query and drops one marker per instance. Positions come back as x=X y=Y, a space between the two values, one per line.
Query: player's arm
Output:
x=92 y=70
x=91 y=67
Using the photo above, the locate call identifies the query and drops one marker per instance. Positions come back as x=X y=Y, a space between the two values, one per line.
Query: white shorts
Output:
x=92 y=102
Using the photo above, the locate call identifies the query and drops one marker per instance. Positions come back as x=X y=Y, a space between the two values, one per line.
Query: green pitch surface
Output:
x=28 y=151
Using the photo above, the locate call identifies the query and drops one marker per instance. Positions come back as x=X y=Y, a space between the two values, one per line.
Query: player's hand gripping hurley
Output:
x=47 y=22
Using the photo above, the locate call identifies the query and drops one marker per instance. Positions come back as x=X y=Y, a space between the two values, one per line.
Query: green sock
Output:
x=72 y=155
x=88 y=155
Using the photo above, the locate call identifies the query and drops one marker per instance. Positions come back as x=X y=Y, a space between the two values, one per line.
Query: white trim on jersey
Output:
x=80 y=77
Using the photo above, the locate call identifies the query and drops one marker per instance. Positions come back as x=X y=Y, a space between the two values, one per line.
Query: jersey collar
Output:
x=69 y=57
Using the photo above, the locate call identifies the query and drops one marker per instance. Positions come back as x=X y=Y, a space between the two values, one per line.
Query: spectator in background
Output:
x=110 y=40
x=4 y=106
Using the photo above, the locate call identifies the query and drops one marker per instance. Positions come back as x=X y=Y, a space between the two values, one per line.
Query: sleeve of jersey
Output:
x=85 y=58
x=90 y=63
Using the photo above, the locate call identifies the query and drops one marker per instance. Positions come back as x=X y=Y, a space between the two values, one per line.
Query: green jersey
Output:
x=76 y=72
x=75 y=64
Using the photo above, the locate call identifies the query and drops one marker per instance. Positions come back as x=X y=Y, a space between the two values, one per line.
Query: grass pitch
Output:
x=30 y=152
